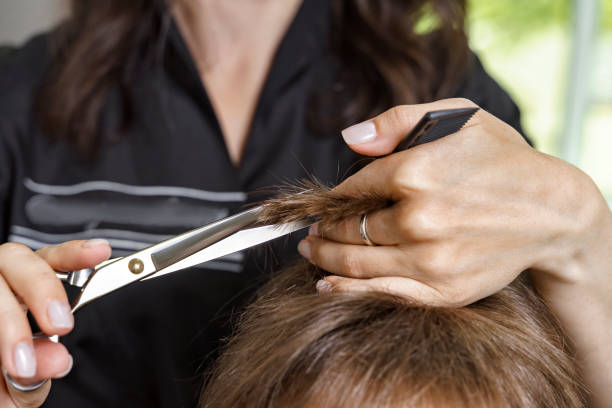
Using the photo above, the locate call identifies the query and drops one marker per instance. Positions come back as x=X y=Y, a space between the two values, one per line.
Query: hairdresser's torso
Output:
x=172 y=170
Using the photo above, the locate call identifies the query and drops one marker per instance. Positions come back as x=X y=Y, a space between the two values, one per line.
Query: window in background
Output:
x=555 y=59
x=595 y=155
x=20 y=19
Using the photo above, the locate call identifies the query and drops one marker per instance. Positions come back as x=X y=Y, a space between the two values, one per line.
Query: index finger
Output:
x=74 y=255
x=381 y=134
x=386 y=176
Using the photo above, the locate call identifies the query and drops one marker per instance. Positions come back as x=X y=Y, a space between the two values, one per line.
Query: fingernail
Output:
x=25 y=360
x=67 y=371
x=314 y=230
x=324 y=286
x=359 y=133
x=60 y=315
x=304 y=249
x=94 y=242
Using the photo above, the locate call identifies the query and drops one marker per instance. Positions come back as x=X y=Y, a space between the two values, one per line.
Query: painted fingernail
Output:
x=304 y=249
x=25 y=360
x=359 y=133
x=60 y=315
x=314 y=230
x=66 y=371
x=94 y=243
x=324 y=286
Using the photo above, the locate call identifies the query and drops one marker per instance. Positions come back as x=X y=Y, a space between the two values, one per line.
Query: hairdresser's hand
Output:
x=28 y=281
x=469 y=213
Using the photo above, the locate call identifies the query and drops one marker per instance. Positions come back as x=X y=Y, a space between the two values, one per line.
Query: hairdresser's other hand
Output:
x=470 y=212
x=28 y=281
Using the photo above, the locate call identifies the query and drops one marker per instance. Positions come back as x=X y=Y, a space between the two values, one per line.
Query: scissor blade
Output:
x=193 y=241
x=236 y=242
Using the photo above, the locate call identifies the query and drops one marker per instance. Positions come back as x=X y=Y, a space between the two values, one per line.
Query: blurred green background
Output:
x=555 y=59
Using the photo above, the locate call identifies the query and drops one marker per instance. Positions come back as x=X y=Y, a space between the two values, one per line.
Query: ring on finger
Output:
x=363 y=230
x=20 y=387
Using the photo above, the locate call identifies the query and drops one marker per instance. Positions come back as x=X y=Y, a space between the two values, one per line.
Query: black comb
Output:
x=435 y=125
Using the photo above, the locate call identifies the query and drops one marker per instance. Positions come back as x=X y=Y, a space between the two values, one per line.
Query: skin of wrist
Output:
x=577 y=290
x=579 y=256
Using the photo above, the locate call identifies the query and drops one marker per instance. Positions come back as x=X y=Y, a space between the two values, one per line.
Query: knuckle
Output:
x=12 y=249
x=419 y=223
x=454 y=296
x=314 y=253
x=404 y=220
x=425 y=225
x=341 y=231
x=387 y=287
x=341 y=287
x=401 y=176
x=46 y=280
x=48 y=250
x=399 y=115
x=9 y=315
x=463 y=102
x=349 y=264
x=411 y=174
x=59 y=251
x=435 y=263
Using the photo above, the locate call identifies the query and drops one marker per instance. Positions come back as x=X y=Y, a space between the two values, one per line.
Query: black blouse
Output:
x=148 y=344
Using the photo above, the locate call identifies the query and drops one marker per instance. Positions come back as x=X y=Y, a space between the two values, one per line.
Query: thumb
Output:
x=412 y=290
x=381 y=134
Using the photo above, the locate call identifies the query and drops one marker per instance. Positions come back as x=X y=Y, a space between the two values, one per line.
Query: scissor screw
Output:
x=136 y=266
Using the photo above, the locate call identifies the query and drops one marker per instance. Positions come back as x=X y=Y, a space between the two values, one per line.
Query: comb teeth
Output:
x=436 y=125
x=445 y=127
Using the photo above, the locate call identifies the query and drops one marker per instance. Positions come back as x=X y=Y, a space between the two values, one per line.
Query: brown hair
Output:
x=295 y=347
x=386 y=58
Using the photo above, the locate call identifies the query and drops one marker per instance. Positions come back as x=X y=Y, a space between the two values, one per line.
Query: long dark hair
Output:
x=392 y=52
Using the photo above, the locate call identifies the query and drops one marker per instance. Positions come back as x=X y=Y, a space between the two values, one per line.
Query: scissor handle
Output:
x=75 y=278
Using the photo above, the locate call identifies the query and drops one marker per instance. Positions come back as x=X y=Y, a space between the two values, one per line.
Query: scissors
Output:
x=226 y=236
x=203 y=244
x=212 y=241
x=220 y=238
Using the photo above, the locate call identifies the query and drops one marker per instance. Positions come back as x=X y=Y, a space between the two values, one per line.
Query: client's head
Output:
x=294 y=347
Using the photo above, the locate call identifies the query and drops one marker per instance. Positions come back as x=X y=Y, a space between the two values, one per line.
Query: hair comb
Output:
x=435 y=125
